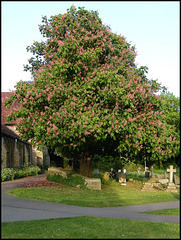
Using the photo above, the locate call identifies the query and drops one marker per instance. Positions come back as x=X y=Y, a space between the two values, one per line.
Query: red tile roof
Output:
x=5 y=111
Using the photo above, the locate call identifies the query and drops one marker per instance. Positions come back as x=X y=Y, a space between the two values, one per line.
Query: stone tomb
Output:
x=148 y=187
x=163 y=178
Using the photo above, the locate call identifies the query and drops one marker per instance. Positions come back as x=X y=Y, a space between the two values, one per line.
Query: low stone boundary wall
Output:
x=92 y=183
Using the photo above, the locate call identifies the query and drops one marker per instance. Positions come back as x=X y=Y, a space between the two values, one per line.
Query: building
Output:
x=14 y=151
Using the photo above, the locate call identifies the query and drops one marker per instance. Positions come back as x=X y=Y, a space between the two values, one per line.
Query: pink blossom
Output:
x=86 y=133
x=55 y=127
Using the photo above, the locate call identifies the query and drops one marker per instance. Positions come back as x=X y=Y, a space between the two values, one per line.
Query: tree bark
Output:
x=86 y=165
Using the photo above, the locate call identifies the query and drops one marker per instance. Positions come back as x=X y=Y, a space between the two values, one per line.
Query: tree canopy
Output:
x=88 y=95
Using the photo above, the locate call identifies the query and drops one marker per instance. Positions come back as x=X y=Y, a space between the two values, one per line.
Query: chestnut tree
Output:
x=88 y=95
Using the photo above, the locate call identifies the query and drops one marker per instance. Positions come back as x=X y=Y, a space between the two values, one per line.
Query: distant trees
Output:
x=88 y=95
x=171 y=110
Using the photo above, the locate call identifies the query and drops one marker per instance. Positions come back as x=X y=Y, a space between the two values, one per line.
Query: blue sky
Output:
x=153 y=27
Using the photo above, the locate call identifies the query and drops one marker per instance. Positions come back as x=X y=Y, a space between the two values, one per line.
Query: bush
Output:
x=71 y=180
x=132 y=167
x=97 y=175
x=105 y=163
x=8 y=174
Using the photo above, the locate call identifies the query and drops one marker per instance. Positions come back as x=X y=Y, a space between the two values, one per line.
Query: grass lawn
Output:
x=90 y=228
x=111 y=195
x=173 y=211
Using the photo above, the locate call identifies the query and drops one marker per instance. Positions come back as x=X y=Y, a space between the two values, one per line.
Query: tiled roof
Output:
x=5 y=111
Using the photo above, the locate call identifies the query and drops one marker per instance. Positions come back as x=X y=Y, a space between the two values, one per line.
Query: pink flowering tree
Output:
x=88 y=96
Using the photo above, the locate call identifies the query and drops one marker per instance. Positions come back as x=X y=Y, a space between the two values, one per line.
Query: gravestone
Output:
x=138 y=170
x=147 y=174
x=105 y=176
x=171 y=171
x=152 y=171
x=176 y=180
x=122 y=178
x=96 y=171
x=171 y=186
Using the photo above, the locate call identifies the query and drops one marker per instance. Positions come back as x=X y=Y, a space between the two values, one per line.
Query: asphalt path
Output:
x=14 y=209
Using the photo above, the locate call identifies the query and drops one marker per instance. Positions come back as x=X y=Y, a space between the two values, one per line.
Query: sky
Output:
x=151 y=26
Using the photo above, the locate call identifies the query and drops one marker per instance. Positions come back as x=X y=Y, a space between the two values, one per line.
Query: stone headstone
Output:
x=96 y=171
x=147 y=174
x=176 y=180
x=124 y=170
x=171 y=171
x=105 y=176
x=138 y=170
x=152 y=171
x=122 y=178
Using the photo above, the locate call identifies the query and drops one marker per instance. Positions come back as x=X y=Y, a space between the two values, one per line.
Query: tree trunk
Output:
x=86 y=165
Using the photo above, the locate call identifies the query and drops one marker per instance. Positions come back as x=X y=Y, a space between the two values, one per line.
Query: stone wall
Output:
x=15 y=153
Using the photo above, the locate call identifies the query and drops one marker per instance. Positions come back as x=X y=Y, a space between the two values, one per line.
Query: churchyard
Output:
x=106 y=189
x=117 y=189
x=151 y=179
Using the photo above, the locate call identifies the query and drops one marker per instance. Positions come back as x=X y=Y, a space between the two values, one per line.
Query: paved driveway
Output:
x=15 y=209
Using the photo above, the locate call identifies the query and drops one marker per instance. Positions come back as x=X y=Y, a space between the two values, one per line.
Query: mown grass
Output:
x=111 y=195
x=89 y=228
x=172 y=212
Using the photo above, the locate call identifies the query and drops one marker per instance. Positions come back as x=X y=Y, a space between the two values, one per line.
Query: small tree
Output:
x=88 y=96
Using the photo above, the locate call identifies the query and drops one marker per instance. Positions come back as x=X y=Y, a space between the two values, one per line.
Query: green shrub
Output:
x=132 y=167
x=8 y=174
x=19 y=174
x=136 y=176
x=97 y=175
x=105 y=163
x=71 y=180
